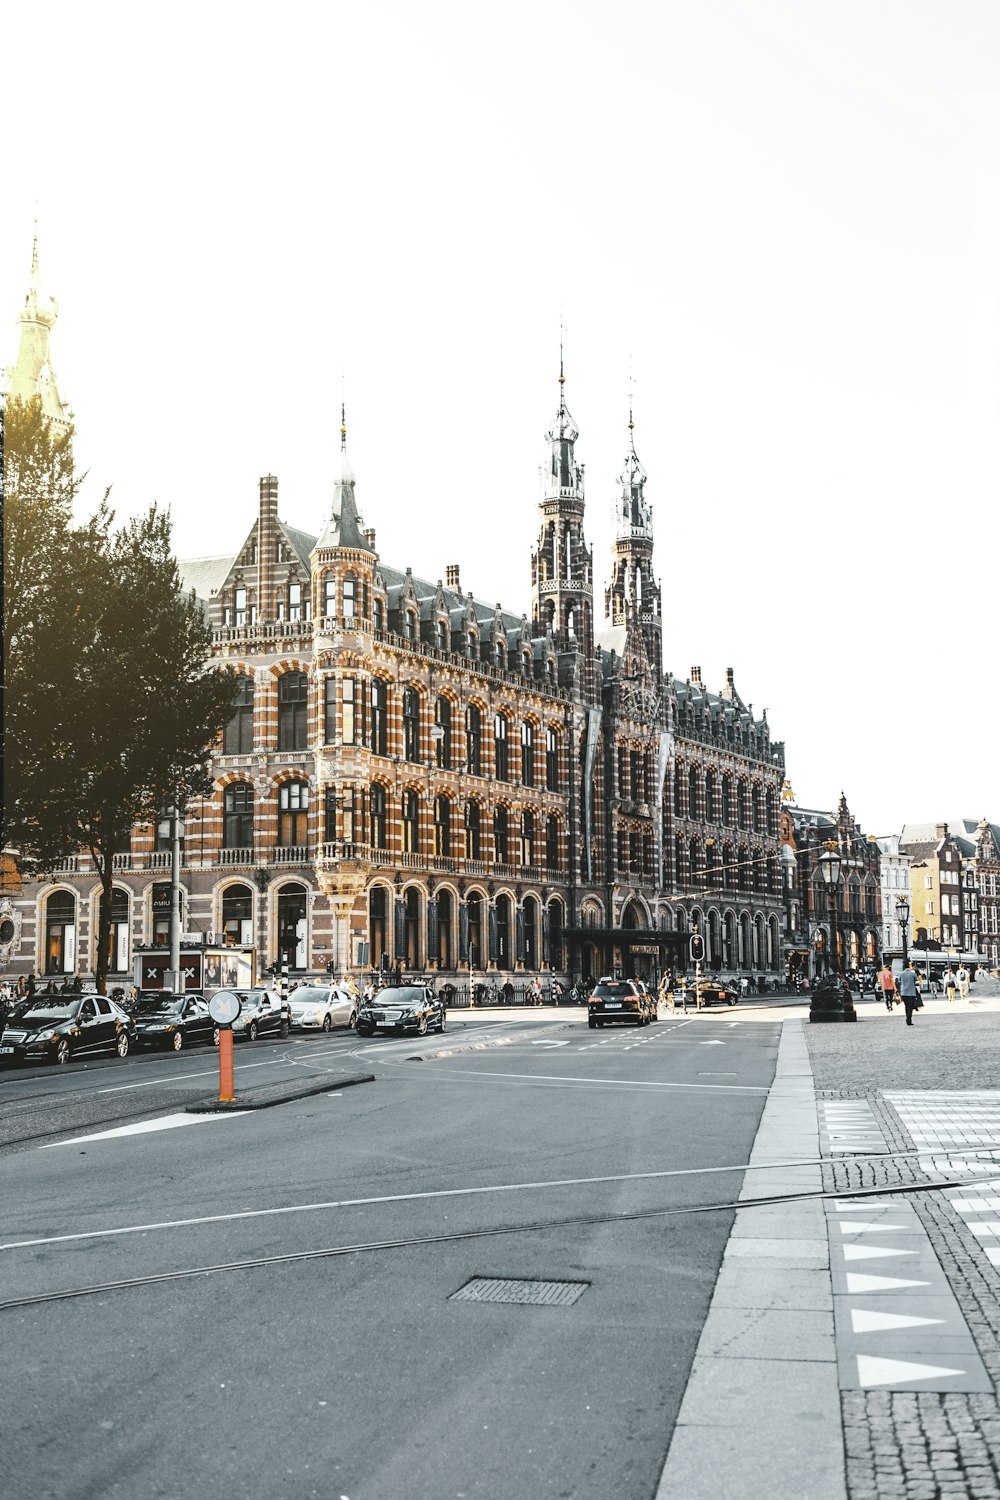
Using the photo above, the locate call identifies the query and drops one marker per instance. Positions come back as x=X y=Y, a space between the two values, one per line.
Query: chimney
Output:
x=941 y=830
x=729 y=691
x=451 y=577
x=696 y=676
x=267 y=526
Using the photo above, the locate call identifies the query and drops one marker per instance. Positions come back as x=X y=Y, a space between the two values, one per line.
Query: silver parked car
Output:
x=320 y=1007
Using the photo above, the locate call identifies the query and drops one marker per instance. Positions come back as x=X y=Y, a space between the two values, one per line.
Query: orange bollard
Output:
x=227 y=1091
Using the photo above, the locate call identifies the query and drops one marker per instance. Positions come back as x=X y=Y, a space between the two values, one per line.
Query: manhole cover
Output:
x=531 y=1293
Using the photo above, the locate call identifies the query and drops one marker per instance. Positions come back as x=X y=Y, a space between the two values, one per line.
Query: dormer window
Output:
x=409 y=625
x=500 y=652
x=240 y=607
x=378 y=615
x=440 y=635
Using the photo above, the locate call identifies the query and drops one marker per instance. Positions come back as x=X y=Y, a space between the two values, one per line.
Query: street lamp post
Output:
x=831 y=998
x=903 y=913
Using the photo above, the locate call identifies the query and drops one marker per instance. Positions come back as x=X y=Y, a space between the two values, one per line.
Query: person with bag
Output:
x=886 y=985
x=909 y=992
x=950 y=983
x=963 y=982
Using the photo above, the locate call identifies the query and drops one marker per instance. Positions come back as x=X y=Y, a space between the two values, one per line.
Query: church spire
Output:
x=33 y=374
x=343 y=526
x=633 y=593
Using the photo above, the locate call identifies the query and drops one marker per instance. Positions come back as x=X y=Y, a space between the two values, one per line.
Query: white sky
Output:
x=784 y=216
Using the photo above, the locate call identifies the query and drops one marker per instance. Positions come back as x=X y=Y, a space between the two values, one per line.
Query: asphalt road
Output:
x=340 y=1364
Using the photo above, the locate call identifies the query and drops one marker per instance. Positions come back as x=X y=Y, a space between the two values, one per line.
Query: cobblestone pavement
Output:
x=921 y=1445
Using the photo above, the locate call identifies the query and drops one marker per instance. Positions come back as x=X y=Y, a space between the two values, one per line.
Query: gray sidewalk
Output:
x=761 y=1413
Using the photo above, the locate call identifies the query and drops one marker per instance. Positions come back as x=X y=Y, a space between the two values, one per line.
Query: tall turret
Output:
x=33 y=374
x=633 y=591
x=562 y=566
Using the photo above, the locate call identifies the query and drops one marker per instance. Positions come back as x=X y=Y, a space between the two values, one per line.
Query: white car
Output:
x=320 y=1007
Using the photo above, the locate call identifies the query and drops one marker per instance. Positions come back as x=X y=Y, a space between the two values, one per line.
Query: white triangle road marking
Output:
x=875 y=1371
x=713 y=1043
x=858 y=1284
x=144 y=1127
x=863 y=1321
x=855 y=1228
x=872 y=1252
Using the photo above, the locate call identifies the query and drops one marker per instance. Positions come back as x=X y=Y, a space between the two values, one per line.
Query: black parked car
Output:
x=54 y=1028
x=262 y=1013
x=620 y=1001
x=401 y=1008
x=173 y=1021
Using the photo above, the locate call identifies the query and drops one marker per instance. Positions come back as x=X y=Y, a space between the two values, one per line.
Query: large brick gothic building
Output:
x=413 y=777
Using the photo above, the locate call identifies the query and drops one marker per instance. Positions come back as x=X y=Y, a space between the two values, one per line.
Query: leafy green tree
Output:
x=111 y=710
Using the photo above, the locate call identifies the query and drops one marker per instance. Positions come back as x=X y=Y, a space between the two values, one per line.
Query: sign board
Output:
x=224 y=1007
x=205 y=969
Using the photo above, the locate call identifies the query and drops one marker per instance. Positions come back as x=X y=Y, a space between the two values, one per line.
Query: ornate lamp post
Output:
x=903 y=913
x=831 y=999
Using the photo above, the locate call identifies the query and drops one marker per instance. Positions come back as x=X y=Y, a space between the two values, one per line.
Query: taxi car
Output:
x=401 y=1008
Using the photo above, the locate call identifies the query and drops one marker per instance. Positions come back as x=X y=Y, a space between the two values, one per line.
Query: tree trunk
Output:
x=103 y=861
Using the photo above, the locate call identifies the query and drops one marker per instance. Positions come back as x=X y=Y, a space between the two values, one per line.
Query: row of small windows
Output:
x=727 y=800
x=363 y=715
x=525 y=834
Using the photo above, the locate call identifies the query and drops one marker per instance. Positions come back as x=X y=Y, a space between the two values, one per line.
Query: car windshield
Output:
x=55 y=1011
x=405 y=995
x=309 y=994
x=162 y=1007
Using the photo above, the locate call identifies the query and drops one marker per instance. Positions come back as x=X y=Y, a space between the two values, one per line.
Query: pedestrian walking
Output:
x=682 y=985
x=963 y=982
x=887 y=985
x=950 y=983
x=909 y=991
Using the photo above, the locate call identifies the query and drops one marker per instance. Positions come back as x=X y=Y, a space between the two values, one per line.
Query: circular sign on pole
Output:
x=224 y=1007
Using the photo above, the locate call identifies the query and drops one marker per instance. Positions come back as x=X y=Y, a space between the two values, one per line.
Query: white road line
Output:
x=624 y=1083
x=120 y=1088
x=145 y=1127
x=308 y=1208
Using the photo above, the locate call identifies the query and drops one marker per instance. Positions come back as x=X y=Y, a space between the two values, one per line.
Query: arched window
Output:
x=445 y=922
x=473 y=831
x=504 y=954
x=500 y=651
x=473 y=740
x=501 y=835
x=118 y=943
x=527 y=837
x=711 y=810
x=409 y=624
x=411 y=927
x=727 y=801
x=293 y=711
x=442 y=722
x=529 y=917
x=238 y=736
x=237 y=914
x=678 y=793
x=376 y=818
x=411 y=822
x=552 y=841
x=411 y=724
x=378 y=926
x=292 y=926
x=379 y=734
x=474 y=913
x=442 y=827
x=551 y=760
x=60 y=933
x=555 y=953
x=293 y=813
x=527 y=753
x=501 y=765
x=692 y=793
x=237 y=816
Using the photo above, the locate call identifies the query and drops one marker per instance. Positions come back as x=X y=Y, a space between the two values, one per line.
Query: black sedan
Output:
x=55 y=1028
x=173 y=1021
x=402 y=1008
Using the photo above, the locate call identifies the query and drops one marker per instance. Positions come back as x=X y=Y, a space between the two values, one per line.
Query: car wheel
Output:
x=63 y=1051
x=422 y=1026
x=352 y=1023
x=177 y=1041
x=733 y=1000
x=600 y=1024
x=123 y=1046
x=364 y=1030
x=252 y=1031
x=591 y=1023
x=327 y=1023
x=444 y=1022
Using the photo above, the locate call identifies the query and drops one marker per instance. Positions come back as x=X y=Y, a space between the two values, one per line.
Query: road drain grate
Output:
x=530 y=1293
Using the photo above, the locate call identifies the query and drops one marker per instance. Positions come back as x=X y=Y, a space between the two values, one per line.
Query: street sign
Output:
x=224 y=1008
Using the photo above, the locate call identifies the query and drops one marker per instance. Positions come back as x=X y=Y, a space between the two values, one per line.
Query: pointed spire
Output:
x=633 y=510
x=343 y=527
x=33 y=374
